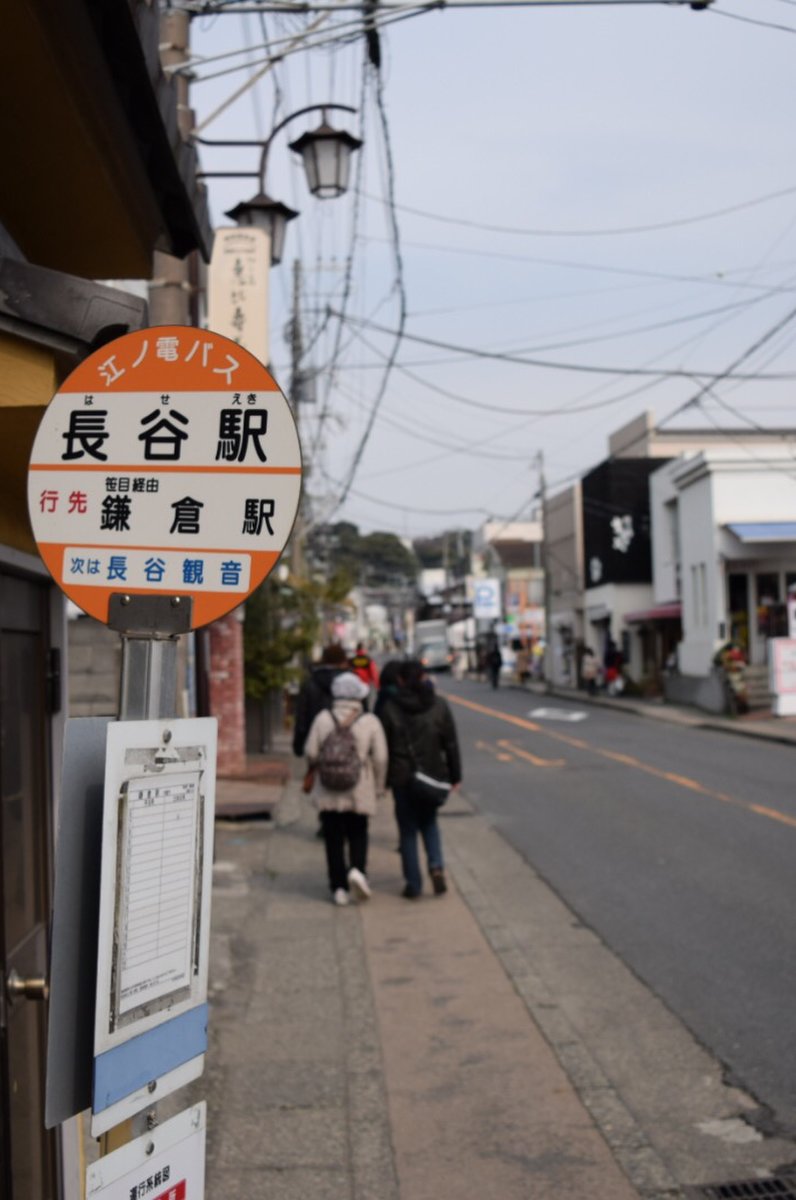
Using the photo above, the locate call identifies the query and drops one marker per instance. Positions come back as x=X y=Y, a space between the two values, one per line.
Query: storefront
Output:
x=757 y=587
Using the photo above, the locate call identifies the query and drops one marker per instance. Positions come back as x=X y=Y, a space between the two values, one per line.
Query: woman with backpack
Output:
x=347 y=752
x=424 y=749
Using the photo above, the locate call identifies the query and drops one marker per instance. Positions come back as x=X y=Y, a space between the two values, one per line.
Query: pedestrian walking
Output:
x=347 y=753
x=494 y=661
x=388 y=684
x=364 y=666
x=590 y=670
x=421 y=736
x=315 y=693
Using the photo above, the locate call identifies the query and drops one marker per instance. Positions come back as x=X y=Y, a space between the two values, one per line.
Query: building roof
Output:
x=515 y=554
x=96 y=173
x=764 y=531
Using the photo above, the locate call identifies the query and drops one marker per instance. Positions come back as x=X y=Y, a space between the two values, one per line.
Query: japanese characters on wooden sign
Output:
x=237 y=288
x=168 y=461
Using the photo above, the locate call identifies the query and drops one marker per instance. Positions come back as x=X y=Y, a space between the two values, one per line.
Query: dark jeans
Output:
x=340 y=828
x=409 y=826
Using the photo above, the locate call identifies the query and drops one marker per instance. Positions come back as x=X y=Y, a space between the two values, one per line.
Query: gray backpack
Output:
x=338 y=762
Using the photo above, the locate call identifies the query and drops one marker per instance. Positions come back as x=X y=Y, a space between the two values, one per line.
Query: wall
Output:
x=563 y=526
x=664 y=502
x=715 y=489
x=614 y=600
x=702 y=578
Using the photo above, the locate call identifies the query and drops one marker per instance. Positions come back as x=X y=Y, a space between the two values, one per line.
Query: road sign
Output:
x=166 y=1163
x=486 y=599
x=168 y=462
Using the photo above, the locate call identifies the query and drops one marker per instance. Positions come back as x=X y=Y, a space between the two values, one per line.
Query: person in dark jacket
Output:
x=315 y=693
x=494 y=661
x=388 y=684
x=420 y=735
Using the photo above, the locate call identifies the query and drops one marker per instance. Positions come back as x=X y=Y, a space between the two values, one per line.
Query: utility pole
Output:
x=546 y=561
x=171 y=295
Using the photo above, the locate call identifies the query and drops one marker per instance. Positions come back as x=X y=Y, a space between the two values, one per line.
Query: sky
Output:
x=608 y=191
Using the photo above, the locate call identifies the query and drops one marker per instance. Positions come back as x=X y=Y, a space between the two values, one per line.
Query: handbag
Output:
x=428 y=791
x=427 y=794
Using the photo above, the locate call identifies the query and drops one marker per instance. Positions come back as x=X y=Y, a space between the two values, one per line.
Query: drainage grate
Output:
x=784 y=1189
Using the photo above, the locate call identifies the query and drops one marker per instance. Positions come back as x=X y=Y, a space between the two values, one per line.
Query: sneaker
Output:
x=438 y=881
x=359 y=884
x=409 y=893
x=340 y=897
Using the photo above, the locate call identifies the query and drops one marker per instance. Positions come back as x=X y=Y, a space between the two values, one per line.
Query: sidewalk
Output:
x=377 y=1052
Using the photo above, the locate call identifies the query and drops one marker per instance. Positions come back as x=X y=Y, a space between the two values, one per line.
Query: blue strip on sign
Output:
x=132 y=1065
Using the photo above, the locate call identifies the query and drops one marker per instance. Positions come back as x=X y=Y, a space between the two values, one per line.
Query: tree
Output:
x=450 y=549
x=374 y=558
x=386 y=560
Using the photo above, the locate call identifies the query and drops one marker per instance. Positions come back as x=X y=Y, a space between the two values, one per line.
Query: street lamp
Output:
x=326 y=154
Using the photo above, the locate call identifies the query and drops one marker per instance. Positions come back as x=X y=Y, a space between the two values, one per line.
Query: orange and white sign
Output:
x=169 y=461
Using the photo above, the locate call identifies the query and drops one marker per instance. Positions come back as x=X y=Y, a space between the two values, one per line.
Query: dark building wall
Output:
x=617 y=546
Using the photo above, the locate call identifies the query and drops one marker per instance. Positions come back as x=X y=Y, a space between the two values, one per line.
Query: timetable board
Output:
x=150 y=1029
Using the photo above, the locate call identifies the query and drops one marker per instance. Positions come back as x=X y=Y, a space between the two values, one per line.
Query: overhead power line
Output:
x=524 y=231
x=752 y=21
x=728 y=373
x=547 y=364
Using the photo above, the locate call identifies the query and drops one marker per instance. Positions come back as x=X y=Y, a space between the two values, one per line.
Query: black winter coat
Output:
x=314 y=696
x=420 y=734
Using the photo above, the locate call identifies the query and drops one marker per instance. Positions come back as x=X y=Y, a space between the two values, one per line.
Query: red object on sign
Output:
x=177 y=1192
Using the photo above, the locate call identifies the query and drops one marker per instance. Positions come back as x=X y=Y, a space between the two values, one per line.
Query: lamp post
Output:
x=326 y=154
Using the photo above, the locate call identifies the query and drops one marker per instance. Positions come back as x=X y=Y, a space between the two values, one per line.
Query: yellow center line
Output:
x=537 y=762
x=773 y=814
x=627 y=760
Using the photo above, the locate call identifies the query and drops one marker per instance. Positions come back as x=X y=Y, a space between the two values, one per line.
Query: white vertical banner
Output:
x=237 y=291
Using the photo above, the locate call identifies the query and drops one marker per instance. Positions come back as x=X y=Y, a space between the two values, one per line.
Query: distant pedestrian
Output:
x=421 y=736
x=590 y=670
x=364 y=666
x=344 y=739
x=494 y=661
x=315 y=693
x=388 y=684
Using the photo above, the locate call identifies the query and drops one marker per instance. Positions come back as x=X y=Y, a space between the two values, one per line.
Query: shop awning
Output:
x=661 y=612
x=764 y=531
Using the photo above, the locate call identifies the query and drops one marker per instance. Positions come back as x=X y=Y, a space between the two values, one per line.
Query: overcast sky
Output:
x=547 y=168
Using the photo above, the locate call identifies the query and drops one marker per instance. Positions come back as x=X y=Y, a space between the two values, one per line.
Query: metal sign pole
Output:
x=150 y=627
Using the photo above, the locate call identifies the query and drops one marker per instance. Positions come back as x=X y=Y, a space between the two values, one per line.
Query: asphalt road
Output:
x=677 y=846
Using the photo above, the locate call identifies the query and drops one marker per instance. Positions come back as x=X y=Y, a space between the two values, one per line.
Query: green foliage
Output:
x=385 y=559
x=281 y=625
x=451 y=549
x=340 y=551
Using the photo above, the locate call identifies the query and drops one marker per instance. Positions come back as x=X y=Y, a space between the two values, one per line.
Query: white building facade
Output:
x=724 y=545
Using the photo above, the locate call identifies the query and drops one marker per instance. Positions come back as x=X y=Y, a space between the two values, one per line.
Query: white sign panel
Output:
x=157 y=887
x=156 y=874
x=782 y=673
x=166 y=1163
x=486 y=599
x=237 y=292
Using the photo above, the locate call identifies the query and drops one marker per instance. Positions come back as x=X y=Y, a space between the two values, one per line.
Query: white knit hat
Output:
x=349 y=686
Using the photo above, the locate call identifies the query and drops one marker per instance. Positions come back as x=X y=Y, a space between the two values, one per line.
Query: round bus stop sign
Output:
x=168 y=462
